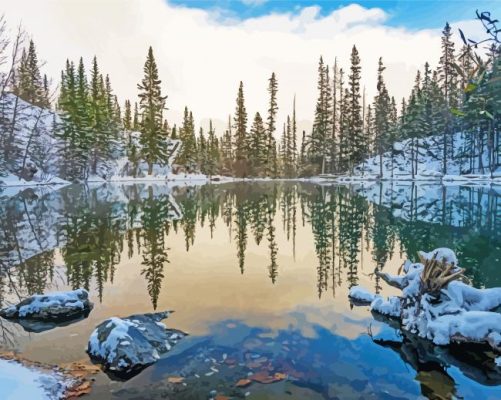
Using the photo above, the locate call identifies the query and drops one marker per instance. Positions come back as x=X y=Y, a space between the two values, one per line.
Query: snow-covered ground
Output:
x=429 y=164
x=18 y=381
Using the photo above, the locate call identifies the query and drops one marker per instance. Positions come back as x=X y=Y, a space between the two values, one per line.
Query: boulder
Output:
x=55 y=307
x=125 y=346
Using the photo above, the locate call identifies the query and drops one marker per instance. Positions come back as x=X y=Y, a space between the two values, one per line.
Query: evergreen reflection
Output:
x=354 y=230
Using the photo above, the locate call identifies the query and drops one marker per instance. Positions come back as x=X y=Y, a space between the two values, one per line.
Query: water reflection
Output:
x=90 y=227
x=141 y=246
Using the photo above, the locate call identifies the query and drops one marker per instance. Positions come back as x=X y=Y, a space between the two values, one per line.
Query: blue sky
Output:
x=412 y=14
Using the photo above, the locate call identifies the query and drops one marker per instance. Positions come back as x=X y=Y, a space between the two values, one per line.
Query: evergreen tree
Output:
x=188 y=155
x=213 y=155
x=322 y=131
x=227 y=148
x=258 y=146
x=135 y=122
x=357 y=145
x=447 y=80
x=152 y=104
x=240 y=135
x=30 y=86
x=127 y=120
x=381 y=117
x=271 y=126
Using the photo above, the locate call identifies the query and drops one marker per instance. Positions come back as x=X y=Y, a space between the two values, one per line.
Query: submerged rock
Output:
x=58 y=306
x=125 y=346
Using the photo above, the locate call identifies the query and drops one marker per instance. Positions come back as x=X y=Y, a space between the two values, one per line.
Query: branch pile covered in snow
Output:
x=436 y=305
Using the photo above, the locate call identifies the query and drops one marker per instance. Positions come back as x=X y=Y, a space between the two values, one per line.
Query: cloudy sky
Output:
x=204 y=48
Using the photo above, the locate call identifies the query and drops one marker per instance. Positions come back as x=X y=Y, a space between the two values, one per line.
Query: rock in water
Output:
x=60 y=306
x=125 y=346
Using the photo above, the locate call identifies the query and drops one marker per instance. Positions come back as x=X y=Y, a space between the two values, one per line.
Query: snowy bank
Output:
x=421 y=160
x=20 y=382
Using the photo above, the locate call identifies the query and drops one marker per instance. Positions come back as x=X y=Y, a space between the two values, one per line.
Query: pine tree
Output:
x=271 y=125
x=356 y=142
x=322 y=131
x=381 y=117
x=74 y=129
x=258 y=146
x=447 y=80
x=202 y=151
x=188 y=154
x=135 y=122
x=334 y=144
x=30 y=85
x=293 y=140
x=152 y=104
x=127 y=120
x=213 y=156
x=240 y=135
x=227 y=148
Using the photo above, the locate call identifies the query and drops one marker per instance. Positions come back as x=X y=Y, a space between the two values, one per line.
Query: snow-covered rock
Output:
x=127 y=345
x=443 y=313
x=361 y=295
x=58 y=306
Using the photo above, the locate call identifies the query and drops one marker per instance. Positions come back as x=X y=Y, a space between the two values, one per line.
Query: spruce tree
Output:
x=152 y=104
x=447 y=80
x=258 y=146
x=271 y=125
x=355 y=140
x=381 y=117
x=30 y=85
x=240 y=134
x=127 y=119
x=188 y=155
x=322 y=131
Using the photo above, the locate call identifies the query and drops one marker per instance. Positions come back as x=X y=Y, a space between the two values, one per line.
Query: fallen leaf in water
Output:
x=175 y=379
x=243 y=383
x=221 y=397
x=80 y=369
x=279 y=376
x=78 y=391
x=262 y=377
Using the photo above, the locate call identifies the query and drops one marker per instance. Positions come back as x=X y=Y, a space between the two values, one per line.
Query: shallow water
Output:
x=258 y=274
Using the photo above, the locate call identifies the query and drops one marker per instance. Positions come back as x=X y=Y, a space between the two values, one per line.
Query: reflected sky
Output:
x=262 y=263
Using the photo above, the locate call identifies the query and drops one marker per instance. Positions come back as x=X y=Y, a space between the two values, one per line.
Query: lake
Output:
x=258 y=275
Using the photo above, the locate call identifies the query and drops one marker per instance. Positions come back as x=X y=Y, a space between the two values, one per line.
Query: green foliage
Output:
x=152 y=103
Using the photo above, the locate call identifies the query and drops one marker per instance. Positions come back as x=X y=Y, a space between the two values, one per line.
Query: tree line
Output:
x=457 y=106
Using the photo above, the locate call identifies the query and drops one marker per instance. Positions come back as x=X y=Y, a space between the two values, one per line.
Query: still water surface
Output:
x=258 y=274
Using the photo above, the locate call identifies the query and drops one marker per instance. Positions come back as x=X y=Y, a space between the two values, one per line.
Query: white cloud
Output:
x=202 y=56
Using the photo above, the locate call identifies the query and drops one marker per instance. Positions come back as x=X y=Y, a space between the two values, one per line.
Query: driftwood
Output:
x=436 y=304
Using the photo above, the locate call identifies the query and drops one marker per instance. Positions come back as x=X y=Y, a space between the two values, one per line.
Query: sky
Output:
x=205 y=48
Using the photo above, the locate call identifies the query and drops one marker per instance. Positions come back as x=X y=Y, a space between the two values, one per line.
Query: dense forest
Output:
x=80 y=121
